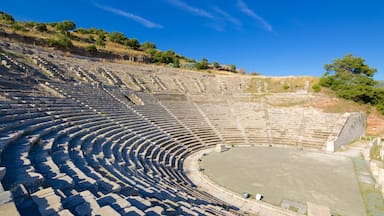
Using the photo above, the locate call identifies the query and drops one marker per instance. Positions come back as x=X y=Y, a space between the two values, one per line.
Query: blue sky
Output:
x=272 y=37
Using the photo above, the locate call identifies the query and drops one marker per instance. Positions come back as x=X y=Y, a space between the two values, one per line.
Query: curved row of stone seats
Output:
x=15 y=157
x=74 y=210
x=186 y=112
x=284 y=125
x=144 y=175
x=158 y=82
x=83 y=74
x=7 y=204
x=317 y=127
x=163 y=119
x=24 y=159
x=133 y=156
x=140 y=84
x=195 y=84
x=130 y=81
x=252 y=118
x=169 y=83
x=11 y=63
x=111 y=77
x=49 y=68
x=15 y=75
x=222 y=118
x=281 y=137
x=151 y=82
x=177 y=136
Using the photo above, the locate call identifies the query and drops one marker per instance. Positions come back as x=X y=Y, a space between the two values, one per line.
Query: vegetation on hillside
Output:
x=351 y=78
x=99 y=43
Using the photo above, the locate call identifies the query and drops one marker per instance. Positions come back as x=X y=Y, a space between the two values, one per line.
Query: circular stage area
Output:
x=288 y=174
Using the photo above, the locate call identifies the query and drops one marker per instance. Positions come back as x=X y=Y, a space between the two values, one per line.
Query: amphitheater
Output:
x=80 y=136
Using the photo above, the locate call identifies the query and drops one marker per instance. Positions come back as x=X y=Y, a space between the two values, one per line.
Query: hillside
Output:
x=92 y=42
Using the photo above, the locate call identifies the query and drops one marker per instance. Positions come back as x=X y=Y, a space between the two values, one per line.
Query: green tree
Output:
x=132 y=43
x=203 y=65
x=176 y=63
x=148 y=45
x=65 y=26
x=117 y=37
x=216 y=65
x=351 y=79
x=6 y=18
x=232 y=68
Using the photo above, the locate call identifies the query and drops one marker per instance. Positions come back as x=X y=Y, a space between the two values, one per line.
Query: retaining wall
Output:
x=353 y=128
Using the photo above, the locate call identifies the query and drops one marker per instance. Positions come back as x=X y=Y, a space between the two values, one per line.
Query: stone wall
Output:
x=353 y=128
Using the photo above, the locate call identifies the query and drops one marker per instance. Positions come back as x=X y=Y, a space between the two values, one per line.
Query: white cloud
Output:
x=228 y=17
x=138 y=19
x=246 y=10
x=194 y=10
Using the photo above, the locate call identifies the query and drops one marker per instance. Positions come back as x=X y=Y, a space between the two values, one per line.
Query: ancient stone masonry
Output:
x=75 y=140
x=348 y=129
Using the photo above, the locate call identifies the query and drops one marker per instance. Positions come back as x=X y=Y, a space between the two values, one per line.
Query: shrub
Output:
x=81 y=31
x=65 y=26
x=60 y=41
x=380 y=108
x=90 y=39
x=6 y=18
x=92 y=49
x=316 y=88
x=100 y=42
x=286 y=86
x=117 y=37
x=41 y=27
x=18 y=27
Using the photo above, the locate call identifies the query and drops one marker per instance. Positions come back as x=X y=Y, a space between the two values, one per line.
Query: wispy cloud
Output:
x=228 y=17
x=194 y=10
x=138 y=19
x=246 y=10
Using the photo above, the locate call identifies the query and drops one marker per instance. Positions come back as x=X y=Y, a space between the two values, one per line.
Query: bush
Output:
x=6 y=18
x=117 y=37
x=100 y=42
x=60 y=41
x=380 y=108
x=41 y=27
x=203 y=65
x=132 y=43
x=148 y=45
x=29 y=24
x=316 y=88
x=92 y=49
x=82 y=31
x=286 y=86
x=18 y=27
x=90 y=39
